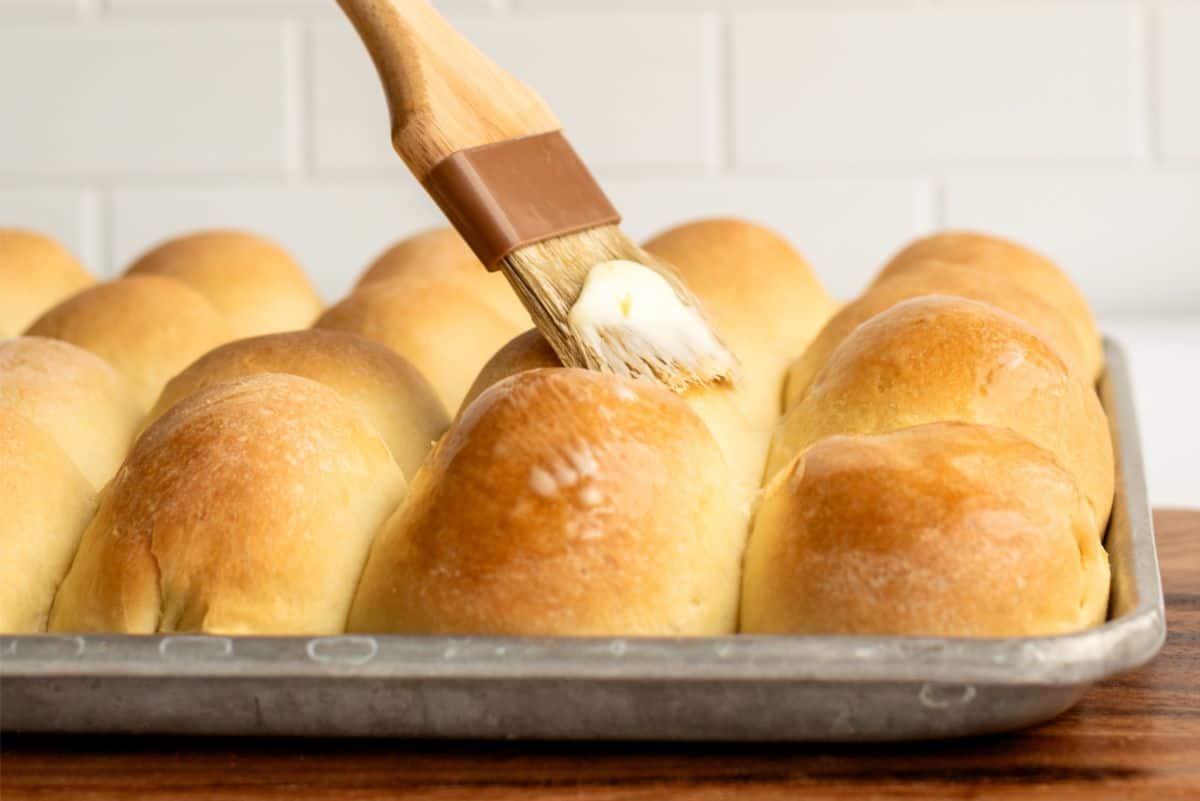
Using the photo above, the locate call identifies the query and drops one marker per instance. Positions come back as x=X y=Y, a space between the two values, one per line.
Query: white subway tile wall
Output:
x=657 y=116
x=1132 y=237
x=334 y=228
x=60 y=212
x=1178 y=69
x=136 y=98
x=942 y=85
x=845 y=226
x=851 y=126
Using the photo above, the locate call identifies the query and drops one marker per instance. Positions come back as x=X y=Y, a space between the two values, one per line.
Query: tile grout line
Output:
x=1149 y=73
x=715 y=90
x=813 y=171
x=89 y=9
x=96 y=235
x=726 y=88
x=938 y=202
x=297 y=91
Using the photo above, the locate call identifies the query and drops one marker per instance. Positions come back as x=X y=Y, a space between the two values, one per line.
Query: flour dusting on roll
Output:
x=75 y=397
x=389 y=391
x=248 y=508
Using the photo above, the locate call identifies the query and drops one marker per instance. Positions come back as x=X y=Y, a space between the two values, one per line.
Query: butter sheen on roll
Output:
x=562 y=502
x=946 y=529
x=248 y=508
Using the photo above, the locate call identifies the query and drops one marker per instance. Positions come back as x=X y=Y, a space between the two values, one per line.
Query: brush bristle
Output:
x=548 y=276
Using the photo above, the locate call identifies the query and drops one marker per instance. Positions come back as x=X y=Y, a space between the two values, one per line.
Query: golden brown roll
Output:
x=45 y=502
x=389 y=391
x=146 y=326
x=760 y=294
x=75 y=397
x=442 y=253
x=1034 y=272
x=938 y=358
x=445 y=332
x=248 y=508
x=945 y=529
x=35 y=273
x=721 y=407
x=252 y=281
x=527 y=351
x=941 y=278
x=562 y=502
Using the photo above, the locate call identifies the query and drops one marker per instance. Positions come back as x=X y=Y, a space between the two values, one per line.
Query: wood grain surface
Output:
x=1137 y=736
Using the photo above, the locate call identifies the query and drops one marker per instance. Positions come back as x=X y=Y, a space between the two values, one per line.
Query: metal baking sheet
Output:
x=724 y=688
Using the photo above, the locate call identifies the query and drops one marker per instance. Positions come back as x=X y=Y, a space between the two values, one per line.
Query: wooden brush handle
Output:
x=443 y=94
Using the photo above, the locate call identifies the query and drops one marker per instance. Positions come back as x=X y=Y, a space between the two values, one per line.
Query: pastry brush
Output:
x=491 y=154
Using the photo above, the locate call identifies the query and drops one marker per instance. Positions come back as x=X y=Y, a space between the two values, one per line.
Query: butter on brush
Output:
x=626 y=309
x=492 y=155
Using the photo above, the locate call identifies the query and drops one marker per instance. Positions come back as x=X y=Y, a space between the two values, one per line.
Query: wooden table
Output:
x=1137 y=736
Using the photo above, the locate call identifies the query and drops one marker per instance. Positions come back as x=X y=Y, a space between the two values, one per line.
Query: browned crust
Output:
x=945 y=529
x=247 y=508
x=562 y=502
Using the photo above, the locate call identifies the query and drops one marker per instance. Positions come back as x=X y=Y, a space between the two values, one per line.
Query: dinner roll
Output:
x=45 y=502
x=444 y=331
x=941 y=278
x=146 y=326
x=35 y=273
x=75 y=397
x=1034 y=272
x=941 y=358
x=760 y=294
x=562 y=502
x=248 y=508
x=389 y=391
x=721 y=406
x=253 y=282
x=527 y=351
x=946 y=529
x=442 y=253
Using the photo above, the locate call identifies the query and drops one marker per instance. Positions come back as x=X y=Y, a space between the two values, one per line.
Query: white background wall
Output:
x=851 y=126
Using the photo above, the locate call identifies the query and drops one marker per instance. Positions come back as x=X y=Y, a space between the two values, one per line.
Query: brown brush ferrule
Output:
x=504 y=196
